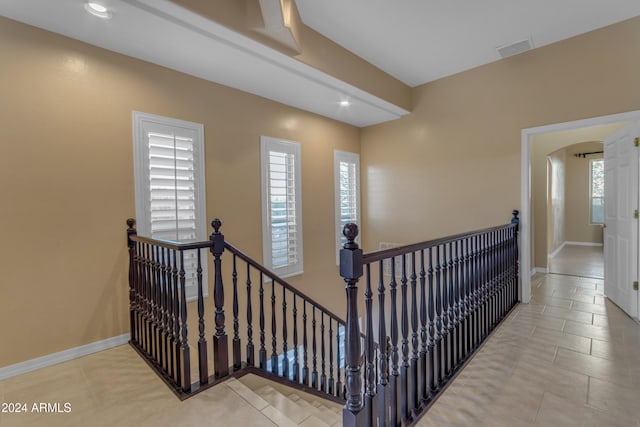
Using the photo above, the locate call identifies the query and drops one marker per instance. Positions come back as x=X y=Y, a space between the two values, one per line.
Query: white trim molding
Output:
x=525 y=184
x=583 y=244
x=62 y=356
x=557 y=251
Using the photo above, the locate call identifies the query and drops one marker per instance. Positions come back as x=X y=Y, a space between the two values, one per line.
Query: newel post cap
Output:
x=515 y=219
x=217 y=238
x=351 y=255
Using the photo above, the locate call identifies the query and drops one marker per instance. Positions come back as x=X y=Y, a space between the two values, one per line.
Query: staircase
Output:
x=428 y=307
x=286 y=406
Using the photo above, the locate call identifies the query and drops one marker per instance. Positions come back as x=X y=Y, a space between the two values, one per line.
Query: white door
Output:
x=621 y=232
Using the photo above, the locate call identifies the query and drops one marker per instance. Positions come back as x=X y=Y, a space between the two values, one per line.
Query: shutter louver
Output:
x=346 y=169
x=172 y=194
x=172 y=190
x=348 y=189
x=282 y=209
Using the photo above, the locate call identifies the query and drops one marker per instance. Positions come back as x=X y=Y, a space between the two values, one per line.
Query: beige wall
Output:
x=541 y=146
x=556 y=199
x=67 y=177
x=454 y=163
x=578 y=220
x=66 y=170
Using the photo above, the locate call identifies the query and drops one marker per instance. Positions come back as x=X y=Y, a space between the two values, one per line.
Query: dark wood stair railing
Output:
x=445 y=297
x=161 y=271
x=468 y=283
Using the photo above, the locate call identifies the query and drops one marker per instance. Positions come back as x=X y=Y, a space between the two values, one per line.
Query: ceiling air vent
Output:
x=515 y=48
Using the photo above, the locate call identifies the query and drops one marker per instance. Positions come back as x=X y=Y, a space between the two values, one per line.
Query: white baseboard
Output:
x=558 y=249
x=543 y=270
x=583 y=244
x=532 y=272
x=62 y=356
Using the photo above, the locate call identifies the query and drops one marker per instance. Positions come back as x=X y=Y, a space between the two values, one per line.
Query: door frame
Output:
x=525 y=185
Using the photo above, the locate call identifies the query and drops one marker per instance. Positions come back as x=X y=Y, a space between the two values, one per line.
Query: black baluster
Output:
x=339 y=385
x=473 y=294
x=423 y=374
x=461 y=291
x=485 y=287
x=184 y=339
x=137 y=259
x=370 y=379
x=131 y=232
x=285 y=356
x=170 y=317
x=296 y=363
x=439 y=369
x=305 y=347
x=469 y=287
x=413 y=367
x=445 y=313
x=314 y=350
x=480 y=285
x=404 y=401
x=237 y=357
x=323 y=375
x=274 y=341
x=176 y=313
x=202 y=342
x=166 y=290
x=383 y=392
x=262 y=354
x=394 y=414
x=153 y=311
x=452 y=309
x=331 y=389
x=220 y=340
x=431 y=346
x=250 y=348
x=147 y=301
x=158 y=304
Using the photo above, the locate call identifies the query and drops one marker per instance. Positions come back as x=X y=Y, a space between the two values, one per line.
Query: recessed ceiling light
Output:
x=345 y=103
x=96 y=9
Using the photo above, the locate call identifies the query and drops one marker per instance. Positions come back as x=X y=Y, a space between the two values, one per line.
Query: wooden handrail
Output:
x=280 y=281
x=383 y=254
x=168 y=244
x=463 y=284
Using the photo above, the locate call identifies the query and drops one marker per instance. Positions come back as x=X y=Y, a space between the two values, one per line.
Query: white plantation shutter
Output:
x=347 y=193
x=169 y=170
x=172 y=187
x=282 y=217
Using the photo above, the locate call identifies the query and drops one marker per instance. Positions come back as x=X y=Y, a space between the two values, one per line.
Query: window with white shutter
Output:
x=281 y=206
x=347 y=193
x=169 y=178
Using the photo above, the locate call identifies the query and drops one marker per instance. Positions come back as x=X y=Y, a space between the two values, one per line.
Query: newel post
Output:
x=131 y=231
x=515 y=220
x=220 y=347
x=516 y=258
x=351 y=271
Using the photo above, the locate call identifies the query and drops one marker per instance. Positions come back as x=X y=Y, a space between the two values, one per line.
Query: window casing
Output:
x=596 y=191
x=281 y=206
x=170 y=186
x=347 y=193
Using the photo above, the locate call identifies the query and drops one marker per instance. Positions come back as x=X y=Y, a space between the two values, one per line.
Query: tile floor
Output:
x=566 y=359
x=575 y=260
